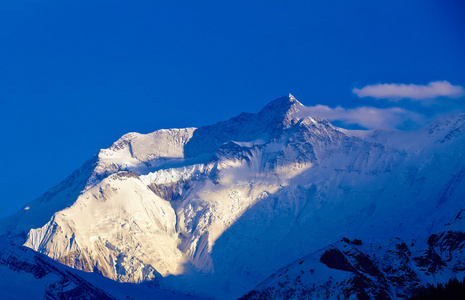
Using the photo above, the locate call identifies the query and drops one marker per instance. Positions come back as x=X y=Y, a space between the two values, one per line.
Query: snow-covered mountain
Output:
x=214 y=211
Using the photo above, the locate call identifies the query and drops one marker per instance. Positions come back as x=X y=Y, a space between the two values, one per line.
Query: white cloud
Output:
x=367 y=117
x=397 y=91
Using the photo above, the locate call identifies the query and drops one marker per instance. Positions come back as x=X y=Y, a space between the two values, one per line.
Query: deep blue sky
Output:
x=76 y=75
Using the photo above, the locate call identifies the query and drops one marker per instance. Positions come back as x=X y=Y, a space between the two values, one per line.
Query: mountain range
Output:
x=277 y=204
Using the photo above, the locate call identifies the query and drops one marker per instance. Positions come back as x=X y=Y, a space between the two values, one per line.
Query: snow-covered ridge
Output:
x=163 y=143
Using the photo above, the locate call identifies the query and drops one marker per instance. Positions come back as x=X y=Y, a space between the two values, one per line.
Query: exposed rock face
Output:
x=216 y=210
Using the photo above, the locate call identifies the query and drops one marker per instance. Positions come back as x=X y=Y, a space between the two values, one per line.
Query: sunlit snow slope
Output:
x=216 y=210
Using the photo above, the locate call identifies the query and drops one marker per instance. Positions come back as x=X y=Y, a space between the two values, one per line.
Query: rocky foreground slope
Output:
x=355 y=270
x=26 y=274
x=214 y=211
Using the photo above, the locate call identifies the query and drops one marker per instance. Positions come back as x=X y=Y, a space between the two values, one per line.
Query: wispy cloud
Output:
x=367 y=117
x=397 y=91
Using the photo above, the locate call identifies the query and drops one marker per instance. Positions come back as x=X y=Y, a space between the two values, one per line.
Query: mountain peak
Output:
x=245 y=127
x=292 y=98
x=282 y=107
